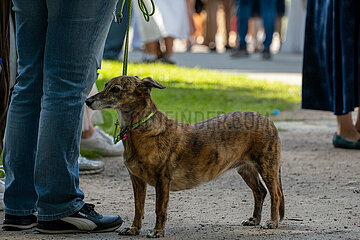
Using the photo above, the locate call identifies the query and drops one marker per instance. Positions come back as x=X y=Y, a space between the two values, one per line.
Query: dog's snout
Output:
x=89 y=101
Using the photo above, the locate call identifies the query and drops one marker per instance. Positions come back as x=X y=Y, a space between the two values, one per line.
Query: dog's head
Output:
x=123 y=93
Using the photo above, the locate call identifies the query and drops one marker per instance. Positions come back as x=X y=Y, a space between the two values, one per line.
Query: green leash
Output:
x=120 y=16
x=123 y=133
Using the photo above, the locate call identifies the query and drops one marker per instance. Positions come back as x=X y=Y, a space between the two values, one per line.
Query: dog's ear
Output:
x=149 y=83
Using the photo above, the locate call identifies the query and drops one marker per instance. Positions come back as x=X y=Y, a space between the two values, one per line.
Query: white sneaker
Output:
x=87 y=166
x=2 y=190
x=103 y=143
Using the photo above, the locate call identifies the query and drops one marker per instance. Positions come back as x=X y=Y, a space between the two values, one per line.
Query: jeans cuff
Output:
x=67 y=213
x=19 y=212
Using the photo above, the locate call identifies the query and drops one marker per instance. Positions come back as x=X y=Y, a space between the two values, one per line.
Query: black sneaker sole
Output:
x=15 y=227
x=47 y=231
x=76 y=225
x=89 y=172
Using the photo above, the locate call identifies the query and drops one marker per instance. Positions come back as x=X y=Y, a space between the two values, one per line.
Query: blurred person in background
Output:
x=268 y=13
x=211 y=22
x=190 y=9
x=255 y=34
x=170 y=21
x=199 y=19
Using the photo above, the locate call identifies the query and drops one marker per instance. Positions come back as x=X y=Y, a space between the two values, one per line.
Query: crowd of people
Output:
x=45 y=123
x=249 y=26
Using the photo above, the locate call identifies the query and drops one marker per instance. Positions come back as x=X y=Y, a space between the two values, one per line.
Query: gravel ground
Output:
x=321 y=186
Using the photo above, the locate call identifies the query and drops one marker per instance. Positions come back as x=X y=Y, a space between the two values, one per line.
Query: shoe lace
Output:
x=90 y=210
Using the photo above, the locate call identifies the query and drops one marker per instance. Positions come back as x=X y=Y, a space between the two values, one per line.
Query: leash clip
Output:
x=115 y=133
x=122 y=135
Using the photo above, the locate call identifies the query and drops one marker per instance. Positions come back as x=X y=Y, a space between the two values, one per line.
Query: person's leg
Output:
x=348 y=64
x=115 y=39
x=244 y=8
x=87 y=124
x=88 y=132
x=23 y=115
x=243 y=15
x=357 y=124
x=169 y=42
x=75 y=38
x=346 y=128
x=277 y=29
x=268 y=13
x=211 y=24
x=280 y=12
x=87 y=166
x=251 y=29
x=227 y=9
x=190 y=10
x=153 y=49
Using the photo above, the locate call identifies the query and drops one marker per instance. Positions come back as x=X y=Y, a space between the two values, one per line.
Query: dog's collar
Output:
x=124 y=130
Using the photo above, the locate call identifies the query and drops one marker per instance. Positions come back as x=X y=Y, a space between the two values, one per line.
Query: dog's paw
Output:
x=132 y=231
x=156 y=233
x=270 y=225
x=251 y=222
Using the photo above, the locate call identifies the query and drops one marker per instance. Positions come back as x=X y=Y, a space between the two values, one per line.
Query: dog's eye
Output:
x=115 y=89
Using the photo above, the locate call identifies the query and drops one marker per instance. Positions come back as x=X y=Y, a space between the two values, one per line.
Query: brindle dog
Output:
x=172 y=156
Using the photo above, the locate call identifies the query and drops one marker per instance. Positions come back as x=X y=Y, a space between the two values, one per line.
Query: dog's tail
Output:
x=282 y=201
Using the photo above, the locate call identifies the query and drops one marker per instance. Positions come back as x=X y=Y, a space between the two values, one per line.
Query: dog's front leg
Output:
x=139 y=187
x=162 y=198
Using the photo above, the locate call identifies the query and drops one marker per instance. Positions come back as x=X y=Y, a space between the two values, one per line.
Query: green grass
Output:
x=194 y=94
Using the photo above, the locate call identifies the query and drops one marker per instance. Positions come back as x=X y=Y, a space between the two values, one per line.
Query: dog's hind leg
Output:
x=269 y=172
x=251 y=176
x=139 y=187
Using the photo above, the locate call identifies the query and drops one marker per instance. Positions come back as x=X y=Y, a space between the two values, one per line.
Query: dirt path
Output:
x=321 y=186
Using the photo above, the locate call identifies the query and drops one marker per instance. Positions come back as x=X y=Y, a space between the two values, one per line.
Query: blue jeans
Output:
x=60 y=44
x=115 y=38
x=268 y=13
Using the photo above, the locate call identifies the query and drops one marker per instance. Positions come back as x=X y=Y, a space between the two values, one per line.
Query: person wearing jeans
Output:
x=268 y=13
x=60 y=45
